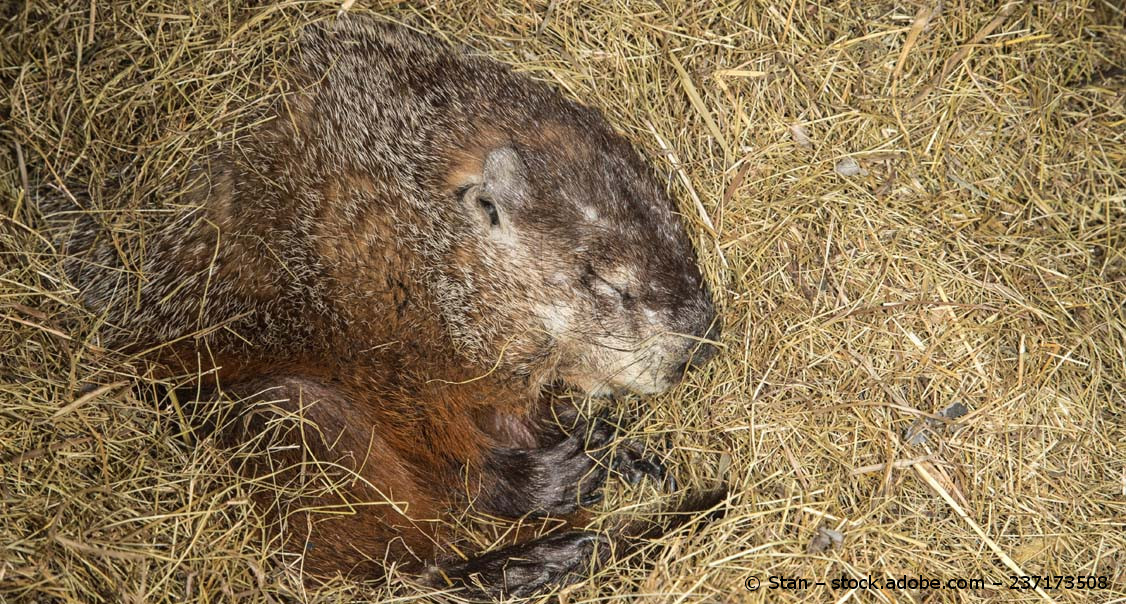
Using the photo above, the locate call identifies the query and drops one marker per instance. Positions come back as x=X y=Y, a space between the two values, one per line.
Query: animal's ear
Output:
x=504 y=175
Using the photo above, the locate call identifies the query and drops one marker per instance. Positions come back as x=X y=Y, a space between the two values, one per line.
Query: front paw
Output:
x=629 y=459
x=632 y=463
x=553 y=480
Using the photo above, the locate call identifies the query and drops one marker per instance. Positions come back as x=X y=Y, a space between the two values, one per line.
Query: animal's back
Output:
x=375 y=120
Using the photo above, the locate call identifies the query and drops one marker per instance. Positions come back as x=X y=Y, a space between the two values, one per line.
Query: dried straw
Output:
x=970 y=250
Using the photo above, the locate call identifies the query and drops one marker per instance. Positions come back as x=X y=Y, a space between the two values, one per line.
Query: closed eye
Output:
x=598 y=283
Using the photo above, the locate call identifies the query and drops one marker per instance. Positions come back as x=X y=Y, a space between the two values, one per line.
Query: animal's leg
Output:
x=551 y=480
x=559 y=559
x=524 y=569
x=320 y=433
x=568 y=470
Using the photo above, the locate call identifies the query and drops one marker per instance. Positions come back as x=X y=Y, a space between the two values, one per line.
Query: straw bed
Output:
x=902 y=207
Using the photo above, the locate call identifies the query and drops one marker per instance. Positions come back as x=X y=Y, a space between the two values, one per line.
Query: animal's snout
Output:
x=703 y=349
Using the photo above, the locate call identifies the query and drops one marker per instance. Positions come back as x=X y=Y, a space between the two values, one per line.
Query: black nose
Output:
x=701 y=353
x=703 y=350
x=714 y=331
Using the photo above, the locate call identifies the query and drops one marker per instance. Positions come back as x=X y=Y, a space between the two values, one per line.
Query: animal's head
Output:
x=571 y=263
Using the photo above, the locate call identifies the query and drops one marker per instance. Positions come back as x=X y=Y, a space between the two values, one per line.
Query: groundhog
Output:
x=414 y=252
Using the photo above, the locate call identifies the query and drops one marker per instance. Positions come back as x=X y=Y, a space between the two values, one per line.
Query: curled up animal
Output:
x=416 y=253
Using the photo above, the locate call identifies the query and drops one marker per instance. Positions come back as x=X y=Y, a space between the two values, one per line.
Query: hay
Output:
x=902 y=207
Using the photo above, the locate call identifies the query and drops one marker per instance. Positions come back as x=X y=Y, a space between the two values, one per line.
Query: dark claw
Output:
x=670 y=482
x=632 y=466
x=653 y=469
x=626 y=466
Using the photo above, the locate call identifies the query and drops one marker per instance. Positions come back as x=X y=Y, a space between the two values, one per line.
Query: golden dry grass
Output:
x=902 y=206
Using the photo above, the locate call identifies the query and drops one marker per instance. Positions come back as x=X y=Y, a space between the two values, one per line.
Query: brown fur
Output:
x=407 y=256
